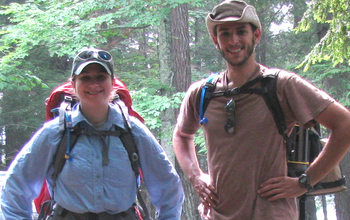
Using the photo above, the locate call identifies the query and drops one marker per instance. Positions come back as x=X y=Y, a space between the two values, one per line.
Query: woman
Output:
x=97 y=182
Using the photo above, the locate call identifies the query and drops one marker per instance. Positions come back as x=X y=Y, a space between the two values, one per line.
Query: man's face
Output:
x=236 y=42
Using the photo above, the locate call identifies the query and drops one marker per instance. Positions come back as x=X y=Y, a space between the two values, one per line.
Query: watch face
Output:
x=304 y=180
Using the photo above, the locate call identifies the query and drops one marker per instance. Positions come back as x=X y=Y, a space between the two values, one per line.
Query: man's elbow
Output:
x=178 y=134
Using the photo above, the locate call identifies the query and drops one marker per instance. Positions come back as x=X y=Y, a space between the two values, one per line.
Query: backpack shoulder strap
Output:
x=70 y=136
x=206 y=94
x=269 y=81
x=131 y=148
x=64 y=112
x=61 y=153
x=127 y=139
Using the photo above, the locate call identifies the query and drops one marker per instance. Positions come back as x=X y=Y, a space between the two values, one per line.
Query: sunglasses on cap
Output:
x=97 y=54
x=87 y=56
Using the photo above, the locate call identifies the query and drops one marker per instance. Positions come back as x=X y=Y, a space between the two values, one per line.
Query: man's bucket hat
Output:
x=232 y=11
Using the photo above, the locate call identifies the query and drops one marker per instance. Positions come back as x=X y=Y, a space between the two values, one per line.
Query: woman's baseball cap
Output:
x=92 y=55
x=232 y=11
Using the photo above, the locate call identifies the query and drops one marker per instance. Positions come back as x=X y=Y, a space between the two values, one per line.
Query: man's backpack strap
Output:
x=244 y=89
x=270 y=83
x=206 y=93
x=268 y=90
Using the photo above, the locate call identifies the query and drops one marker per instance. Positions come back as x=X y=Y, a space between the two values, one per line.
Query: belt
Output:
x=61 y=213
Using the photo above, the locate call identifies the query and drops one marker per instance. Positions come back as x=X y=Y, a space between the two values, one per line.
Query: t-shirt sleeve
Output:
x=300 y=100
x=188 y=118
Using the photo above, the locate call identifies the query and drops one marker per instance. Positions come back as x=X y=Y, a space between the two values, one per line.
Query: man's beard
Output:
x=250 y=50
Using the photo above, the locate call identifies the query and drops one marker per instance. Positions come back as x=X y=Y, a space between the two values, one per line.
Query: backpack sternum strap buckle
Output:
x=68 y=98
x=135 y=157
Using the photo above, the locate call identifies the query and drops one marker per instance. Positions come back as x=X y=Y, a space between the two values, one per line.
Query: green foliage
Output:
x=151 y=106
x=334 y=81
x=335 y=44
x=64 y=26
x=199 y=141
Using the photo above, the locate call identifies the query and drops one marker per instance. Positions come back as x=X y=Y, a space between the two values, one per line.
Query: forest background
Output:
x=160 y=47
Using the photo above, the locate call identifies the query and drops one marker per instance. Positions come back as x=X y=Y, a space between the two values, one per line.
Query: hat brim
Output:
x=249 y=15
x=83 y=65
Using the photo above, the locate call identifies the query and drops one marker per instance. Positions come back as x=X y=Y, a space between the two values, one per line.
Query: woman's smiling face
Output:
x=93 y=85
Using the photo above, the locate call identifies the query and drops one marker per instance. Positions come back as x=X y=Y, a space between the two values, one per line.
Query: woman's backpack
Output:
x=62 y=98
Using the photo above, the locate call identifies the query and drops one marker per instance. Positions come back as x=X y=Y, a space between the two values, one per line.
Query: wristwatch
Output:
x=304 y=181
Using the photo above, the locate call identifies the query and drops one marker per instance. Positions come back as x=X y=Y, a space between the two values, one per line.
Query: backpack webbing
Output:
x=268 y=91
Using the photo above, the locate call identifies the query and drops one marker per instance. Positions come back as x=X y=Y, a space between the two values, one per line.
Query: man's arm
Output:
x=337 y=119
x=185 y=152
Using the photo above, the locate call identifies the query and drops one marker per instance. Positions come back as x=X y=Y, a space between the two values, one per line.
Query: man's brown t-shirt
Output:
x=239 y=163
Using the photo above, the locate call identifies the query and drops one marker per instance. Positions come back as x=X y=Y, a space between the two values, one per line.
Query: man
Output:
x=247 y=176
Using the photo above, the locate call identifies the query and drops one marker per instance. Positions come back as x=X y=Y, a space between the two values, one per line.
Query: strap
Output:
x=245 y=89
x=302 y=207
x=329 y=185
x=206 y=94
x=130 y=146
x=143 y=205
x=123 y=108
x=268 y=90
x=46 y=209
x=128 y=140
x=271 y=99
x=60 y=156
x=65 y=107
x=101 y=135
x=71 y=135
x=208 y=89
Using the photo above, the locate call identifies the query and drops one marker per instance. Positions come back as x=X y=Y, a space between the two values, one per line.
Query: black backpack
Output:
x=302 y=146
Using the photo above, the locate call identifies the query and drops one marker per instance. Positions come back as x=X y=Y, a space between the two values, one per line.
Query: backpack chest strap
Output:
x=101 y=134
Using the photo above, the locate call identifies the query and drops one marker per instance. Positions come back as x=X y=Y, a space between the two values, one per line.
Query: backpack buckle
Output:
x=135 y=157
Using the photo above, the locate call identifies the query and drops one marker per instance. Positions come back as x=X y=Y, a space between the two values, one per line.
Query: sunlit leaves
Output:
x=64 y=26
x=335 y=45
x=151 y=106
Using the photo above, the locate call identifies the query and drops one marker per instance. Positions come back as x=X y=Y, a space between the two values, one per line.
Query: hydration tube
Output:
x=203 y=120
x=68 y=126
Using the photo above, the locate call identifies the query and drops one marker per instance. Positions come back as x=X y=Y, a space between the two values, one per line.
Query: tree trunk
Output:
x=175 y=72
x=166 y=78
x=180 y=47
x=342 y=200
